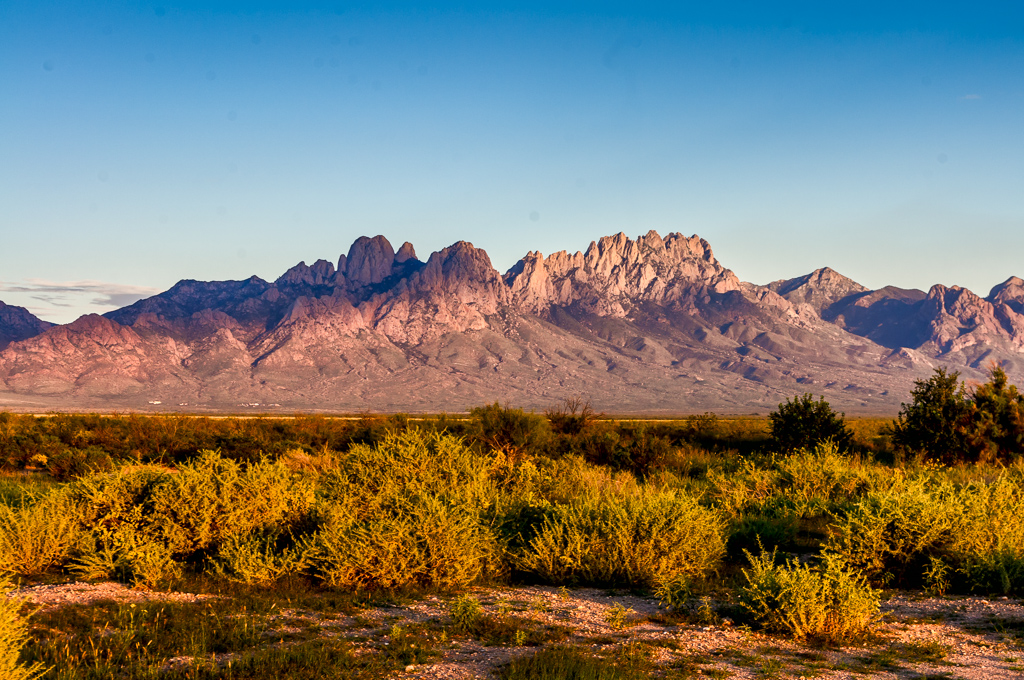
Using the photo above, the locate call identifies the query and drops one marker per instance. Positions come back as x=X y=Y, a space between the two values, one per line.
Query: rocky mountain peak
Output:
x=820 y=289
x=369 y=261
x=465 y=272
x=405 y=253
x=617 y=272
x=960 y=319
x=320 y=274
x=1010 y=292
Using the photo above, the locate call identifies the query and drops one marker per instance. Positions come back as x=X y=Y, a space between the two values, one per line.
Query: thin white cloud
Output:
x=75 y=293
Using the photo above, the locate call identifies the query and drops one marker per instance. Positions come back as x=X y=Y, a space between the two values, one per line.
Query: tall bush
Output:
x=948 y=423
x=936 y=421
x=510 y=430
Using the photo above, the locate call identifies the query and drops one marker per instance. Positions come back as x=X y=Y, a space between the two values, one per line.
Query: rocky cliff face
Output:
x=1009 y=293
x=642 y=325
x=17 y=323
x=617 y=273
x=962 y=323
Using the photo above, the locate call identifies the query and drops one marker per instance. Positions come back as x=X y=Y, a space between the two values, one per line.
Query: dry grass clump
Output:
x=13 y=636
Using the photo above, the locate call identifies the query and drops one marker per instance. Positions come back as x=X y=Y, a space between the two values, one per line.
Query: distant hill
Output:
x=647 y=325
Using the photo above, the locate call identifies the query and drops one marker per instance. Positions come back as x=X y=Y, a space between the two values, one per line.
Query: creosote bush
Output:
x=830 y=603
x=898 y=535
x=406 y=512
x=639 y=540
x=147 y=522
x=36 y=535
x=889 y=534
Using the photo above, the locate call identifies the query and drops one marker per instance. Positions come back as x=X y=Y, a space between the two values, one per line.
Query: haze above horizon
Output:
x=142 y=143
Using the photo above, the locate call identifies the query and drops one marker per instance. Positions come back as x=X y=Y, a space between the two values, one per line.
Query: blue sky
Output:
x=142 y=143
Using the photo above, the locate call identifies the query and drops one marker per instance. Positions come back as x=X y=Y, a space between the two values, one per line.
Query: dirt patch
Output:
x=970 y=638
x=49 y=596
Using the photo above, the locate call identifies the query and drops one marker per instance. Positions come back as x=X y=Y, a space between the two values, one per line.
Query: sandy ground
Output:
x=978 y=638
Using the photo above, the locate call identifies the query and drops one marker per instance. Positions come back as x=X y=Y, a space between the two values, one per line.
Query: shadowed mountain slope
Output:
x=17 y=323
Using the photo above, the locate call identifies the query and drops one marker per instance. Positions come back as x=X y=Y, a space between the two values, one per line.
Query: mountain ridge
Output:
x=651 y=324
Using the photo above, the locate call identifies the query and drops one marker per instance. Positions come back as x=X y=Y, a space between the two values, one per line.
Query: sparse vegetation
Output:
x=380 y=507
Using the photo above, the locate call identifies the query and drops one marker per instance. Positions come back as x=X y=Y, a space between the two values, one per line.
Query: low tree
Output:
x=937 y=421
x=997 y=428
x=572 y=416
x=803 y=423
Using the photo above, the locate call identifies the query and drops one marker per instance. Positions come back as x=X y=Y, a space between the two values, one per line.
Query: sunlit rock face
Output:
x=617 y=273
x=651 y=324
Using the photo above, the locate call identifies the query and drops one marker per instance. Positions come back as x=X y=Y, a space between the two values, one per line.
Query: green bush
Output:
x=947 y=423
x=830 y=603
x=147 y=522
x=997 y=430
x=935 y=423
x=970 y=538
x=635 y=448
x=626 y=540
x=743 y=490
x=13 y=636
x=465 y=610
x=213 y=498
x=571 y=417
x=815 y=480
x=417 y=540
x=804 y=423
x=73 y=463
x=769 y=529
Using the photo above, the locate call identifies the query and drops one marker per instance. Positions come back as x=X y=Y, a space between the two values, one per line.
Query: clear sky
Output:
x=146 y=142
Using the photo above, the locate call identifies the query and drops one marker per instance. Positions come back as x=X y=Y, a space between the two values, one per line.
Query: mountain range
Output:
x=648 y=325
